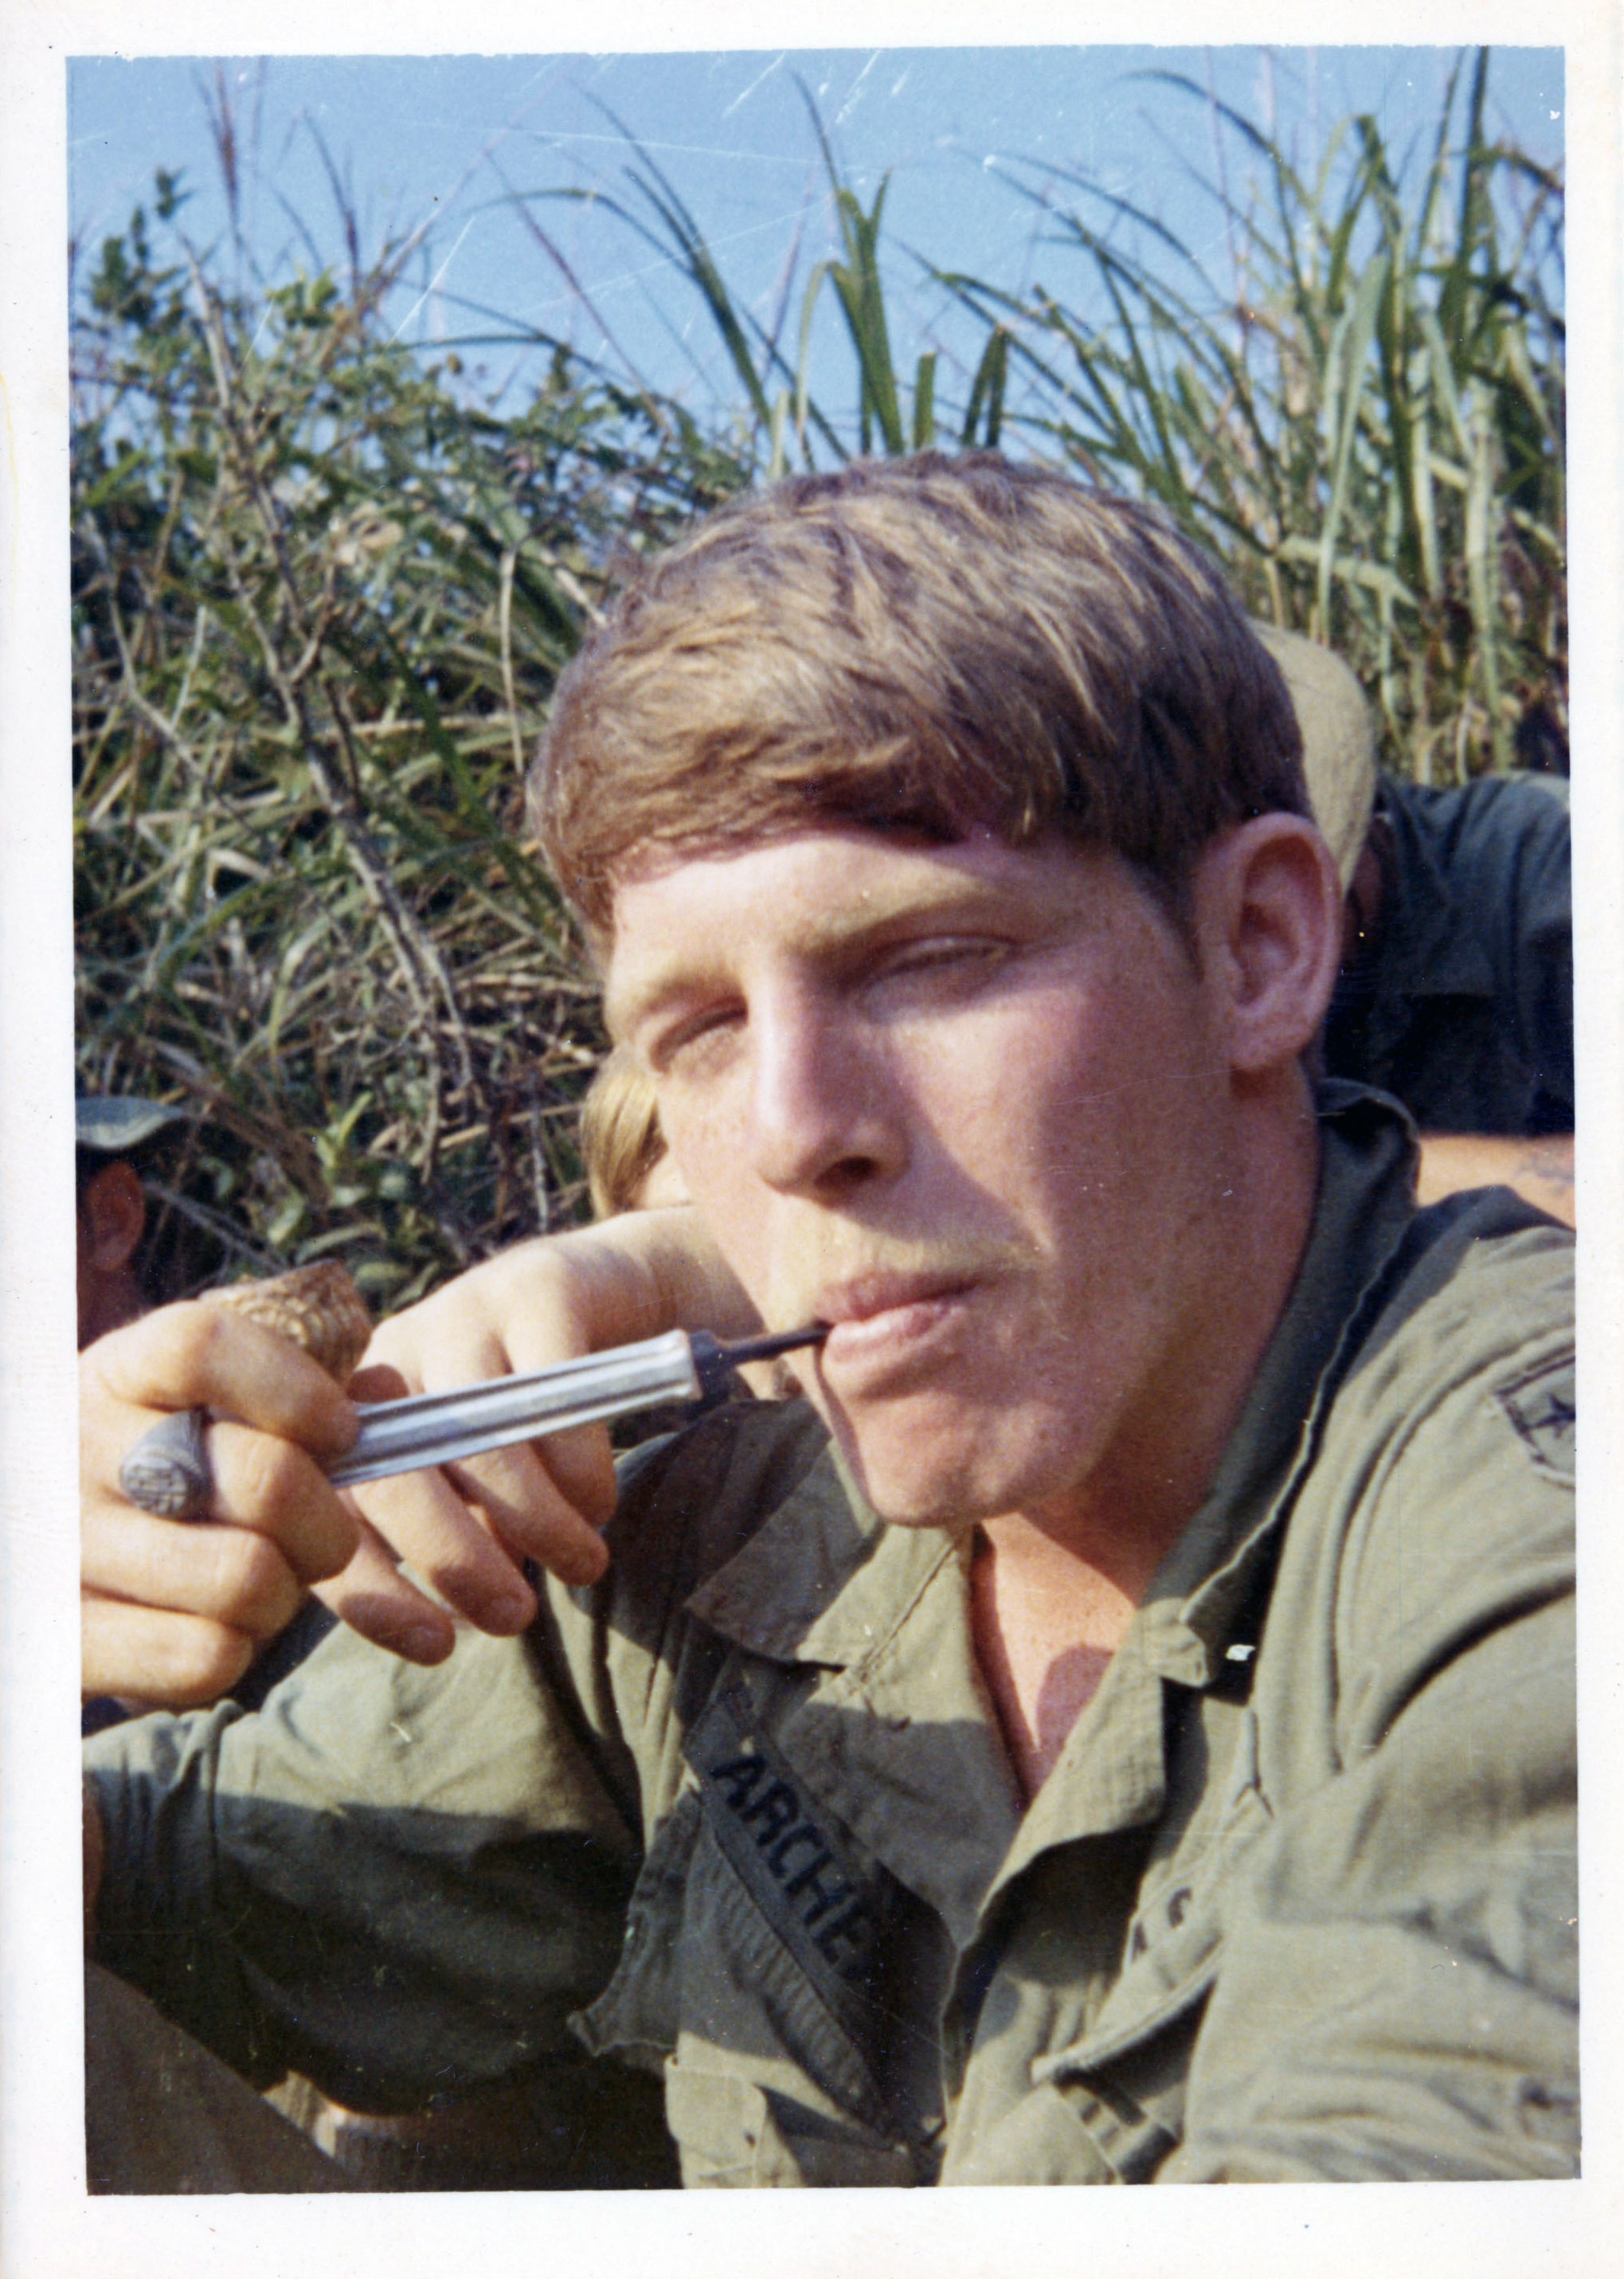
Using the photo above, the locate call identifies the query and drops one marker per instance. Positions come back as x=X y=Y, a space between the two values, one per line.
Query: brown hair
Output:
x=934 y=645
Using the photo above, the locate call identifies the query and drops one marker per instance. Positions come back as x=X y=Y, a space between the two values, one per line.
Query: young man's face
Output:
x=967 y=1105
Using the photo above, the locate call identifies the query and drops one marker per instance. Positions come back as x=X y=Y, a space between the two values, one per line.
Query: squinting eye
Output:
x=942 y=953
x=949 y=957
x=685 y=1046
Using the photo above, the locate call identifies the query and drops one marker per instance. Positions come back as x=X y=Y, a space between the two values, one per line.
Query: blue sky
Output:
x=461 y=147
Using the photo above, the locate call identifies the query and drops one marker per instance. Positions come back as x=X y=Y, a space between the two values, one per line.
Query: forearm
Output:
x=1540 y=1170
x=643 y=1273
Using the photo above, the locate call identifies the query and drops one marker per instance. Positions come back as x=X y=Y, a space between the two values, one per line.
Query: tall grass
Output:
x=779 y=422
x=319 y=604
x=1364 y=420
x=321 y=596
x=1366 y=425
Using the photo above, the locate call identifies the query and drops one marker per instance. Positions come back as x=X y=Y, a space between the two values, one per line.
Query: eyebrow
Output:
x=625 y=1010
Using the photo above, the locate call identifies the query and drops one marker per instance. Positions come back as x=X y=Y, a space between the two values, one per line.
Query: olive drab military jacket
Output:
x=1296 y=1902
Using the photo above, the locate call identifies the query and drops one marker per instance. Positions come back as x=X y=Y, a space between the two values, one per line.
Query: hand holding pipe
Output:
x=167 y=1470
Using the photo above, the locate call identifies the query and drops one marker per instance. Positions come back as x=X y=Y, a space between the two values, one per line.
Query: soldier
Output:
x=1456 y=987
x=117 y=1139
x=1070 y=1745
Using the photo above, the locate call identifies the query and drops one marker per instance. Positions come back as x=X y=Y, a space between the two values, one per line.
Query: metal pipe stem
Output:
x=167 y=1470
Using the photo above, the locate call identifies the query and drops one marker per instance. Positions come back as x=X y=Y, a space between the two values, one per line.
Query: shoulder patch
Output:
x=1540 y=1409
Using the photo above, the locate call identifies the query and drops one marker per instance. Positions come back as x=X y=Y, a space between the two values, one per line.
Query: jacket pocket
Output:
x=1125 y=2091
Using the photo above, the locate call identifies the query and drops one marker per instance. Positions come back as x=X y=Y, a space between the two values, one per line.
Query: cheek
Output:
x=1011 y=1102
x=709 y=1155
x=1103 y=1114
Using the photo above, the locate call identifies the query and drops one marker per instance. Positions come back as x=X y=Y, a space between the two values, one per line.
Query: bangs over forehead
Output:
x=933 y=645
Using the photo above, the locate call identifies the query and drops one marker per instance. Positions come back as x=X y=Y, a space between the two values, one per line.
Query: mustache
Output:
x=944 y=1259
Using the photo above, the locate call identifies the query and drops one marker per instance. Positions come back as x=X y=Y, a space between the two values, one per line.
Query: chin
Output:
x=918 y=1475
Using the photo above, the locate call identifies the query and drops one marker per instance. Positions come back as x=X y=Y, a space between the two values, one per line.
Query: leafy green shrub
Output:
x=319 y=603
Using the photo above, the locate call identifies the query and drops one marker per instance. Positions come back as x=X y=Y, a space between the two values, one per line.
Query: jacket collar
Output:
x=1364 y=1207
x=824 y=1580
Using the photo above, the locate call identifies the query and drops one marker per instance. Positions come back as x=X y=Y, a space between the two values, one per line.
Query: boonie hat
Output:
x=1338 y=740
x=115 y=1123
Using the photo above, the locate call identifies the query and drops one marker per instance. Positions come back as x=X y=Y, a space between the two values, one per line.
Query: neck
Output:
x=1044 y=1625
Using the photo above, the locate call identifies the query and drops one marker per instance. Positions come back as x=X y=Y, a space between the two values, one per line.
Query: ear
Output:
x=115 y=1212
x=1267 y=911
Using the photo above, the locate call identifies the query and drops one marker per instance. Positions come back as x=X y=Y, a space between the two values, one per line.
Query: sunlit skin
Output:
x=977 y=1107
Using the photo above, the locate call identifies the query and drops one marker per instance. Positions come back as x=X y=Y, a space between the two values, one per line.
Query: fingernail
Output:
x=424 y=1642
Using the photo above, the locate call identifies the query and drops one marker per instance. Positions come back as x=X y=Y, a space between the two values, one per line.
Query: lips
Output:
x=884 y=1325
x=862 y=1297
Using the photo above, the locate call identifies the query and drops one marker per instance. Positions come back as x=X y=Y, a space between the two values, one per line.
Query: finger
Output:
x=507 y=1494
x=379 y=1381
x=423 y=1521
x=535 y=1521
x=581 y=1466
x=273 y=1487
x=171 y=1661
x=438 y=1343
x=538 y=1483
x=231 y=1575
x=198 y=1356
x=374 y=1598
x=467 y=1530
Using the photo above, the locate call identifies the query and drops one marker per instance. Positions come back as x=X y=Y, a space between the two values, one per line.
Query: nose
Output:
x=828 y=1110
